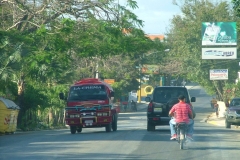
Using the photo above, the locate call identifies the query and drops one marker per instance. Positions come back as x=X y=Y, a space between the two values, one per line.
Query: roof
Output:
x=126 y=31
x=9 y=104
x=92 y=81
x=170 y=87
x=152 y=37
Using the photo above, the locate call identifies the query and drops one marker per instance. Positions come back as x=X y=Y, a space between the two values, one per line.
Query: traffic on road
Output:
x=130 y=141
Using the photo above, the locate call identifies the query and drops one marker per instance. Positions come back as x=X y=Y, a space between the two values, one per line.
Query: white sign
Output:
x=219 y=53
x=219 y=74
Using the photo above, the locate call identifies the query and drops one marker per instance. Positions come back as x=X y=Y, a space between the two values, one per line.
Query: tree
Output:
x=31 y=15
x=56 y=42
x=185 y=39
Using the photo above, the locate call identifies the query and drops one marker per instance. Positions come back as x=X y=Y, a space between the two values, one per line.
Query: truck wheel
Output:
x=227 y=124
x=114 y=123
x=108 y=127
x=79 y=130
x=150 y=127
x=73 y=129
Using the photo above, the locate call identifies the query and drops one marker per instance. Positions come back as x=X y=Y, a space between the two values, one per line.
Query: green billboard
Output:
x=219 y=33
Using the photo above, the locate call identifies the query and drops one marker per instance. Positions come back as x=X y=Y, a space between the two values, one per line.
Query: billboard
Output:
x=219 y=53
x=219 y=33
x=219 y=74
x=150 y=69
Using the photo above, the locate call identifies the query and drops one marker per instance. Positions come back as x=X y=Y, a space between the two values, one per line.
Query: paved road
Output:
x=131 y=141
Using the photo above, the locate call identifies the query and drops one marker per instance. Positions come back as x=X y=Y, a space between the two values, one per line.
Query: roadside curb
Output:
x=212 y=119
x=213 y=123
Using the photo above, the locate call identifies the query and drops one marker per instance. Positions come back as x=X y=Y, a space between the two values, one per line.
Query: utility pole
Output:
x=139 y=86
x=140 y=92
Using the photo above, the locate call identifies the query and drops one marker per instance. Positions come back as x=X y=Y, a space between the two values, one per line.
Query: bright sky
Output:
x=156 y=14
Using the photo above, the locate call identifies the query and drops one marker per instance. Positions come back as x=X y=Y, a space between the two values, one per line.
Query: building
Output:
x=156 y=36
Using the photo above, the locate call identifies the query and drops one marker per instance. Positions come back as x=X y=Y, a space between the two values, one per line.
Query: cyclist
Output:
x=181 y=113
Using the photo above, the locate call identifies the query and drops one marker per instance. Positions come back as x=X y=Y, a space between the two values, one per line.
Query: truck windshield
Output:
x=87 y=92
x=163 y=95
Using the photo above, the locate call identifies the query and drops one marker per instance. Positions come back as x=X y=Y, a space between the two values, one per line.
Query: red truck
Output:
x=89 y=105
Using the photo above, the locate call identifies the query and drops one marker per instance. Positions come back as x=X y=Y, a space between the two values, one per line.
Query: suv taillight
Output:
x=150 y=107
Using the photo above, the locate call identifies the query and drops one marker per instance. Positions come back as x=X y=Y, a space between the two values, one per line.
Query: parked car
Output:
x=233 y=113
x=174 y=82
x=163 y=98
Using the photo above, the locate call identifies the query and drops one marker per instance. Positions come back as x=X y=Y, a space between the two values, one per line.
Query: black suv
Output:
x=163 y=98
x=233 y=113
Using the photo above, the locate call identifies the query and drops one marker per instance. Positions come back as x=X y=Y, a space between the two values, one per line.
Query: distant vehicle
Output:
x=163 y=99
x=233 y=113
x=132 y=96
x=173 y=82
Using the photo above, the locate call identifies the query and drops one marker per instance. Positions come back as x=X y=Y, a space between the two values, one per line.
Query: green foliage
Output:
x=49 y=57
x=8 y=90
x=185 y=39
x=124 y=86
x=236 y=7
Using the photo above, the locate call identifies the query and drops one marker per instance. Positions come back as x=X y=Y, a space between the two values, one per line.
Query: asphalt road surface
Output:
x=131 y=141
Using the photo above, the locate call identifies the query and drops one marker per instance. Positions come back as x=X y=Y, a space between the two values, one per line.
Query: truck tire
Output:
x=114 y=123
x=79 y=130
x=108 y=128
x=73 y=129
x=150 y=127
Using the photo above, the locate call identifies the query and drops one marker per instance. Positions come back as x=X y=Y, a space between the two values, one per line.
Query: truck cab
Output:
x=89 y=104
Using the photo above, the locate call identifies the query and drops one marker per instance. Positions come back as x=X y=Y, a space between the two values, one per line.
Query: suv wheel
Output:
x=150 y=127
x=79 y=130
x=114 y=123
x=227 y=124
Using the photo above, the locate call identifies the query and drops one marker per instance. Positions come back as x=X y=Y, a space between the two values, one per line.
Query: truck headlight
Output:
x=105 y=114
x=77 y=116
x=99 y=114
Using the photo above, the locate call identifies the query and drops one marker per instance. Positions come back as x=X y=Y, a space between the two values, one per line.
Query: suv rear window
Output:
x=164 y=94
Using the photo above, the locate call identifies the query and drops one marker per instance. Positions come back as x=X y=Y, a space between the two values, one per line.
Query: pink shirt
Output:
x=181 y=112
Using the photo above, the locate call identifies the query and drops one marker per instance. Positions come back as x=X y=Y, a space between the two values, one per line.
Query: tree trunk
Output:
x=50 y=117
x=20 y=85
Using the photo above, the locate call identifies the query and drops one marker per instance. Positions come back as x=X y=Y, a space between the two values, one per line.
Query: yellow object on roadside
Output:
x=8 y=116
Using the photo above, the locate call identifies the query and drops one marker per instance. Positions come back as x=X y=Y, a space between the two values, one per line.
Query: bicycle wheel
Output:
x=181 y=144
